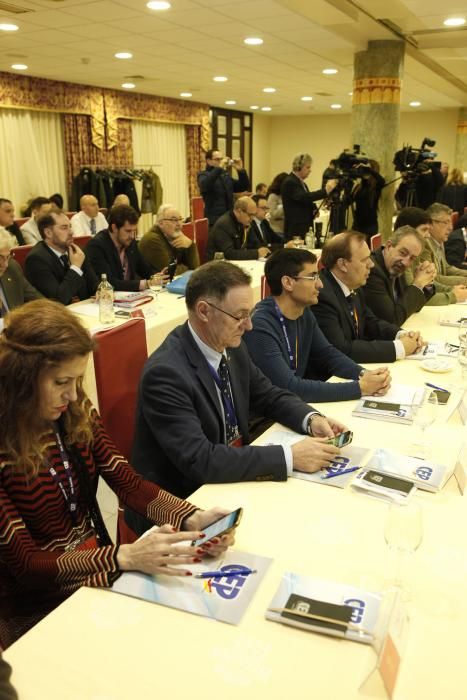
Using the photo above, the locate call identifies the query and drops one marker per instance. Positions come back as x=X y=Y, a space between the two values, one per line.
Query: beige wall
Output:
x=261 y=150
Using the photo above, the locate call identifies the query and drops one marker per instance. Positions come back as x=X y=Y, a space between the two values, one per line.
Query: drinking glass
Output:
x=425 y=415
x=155 y=283
x=297 y=241
x=218 y=256
x=462 y=359
x=403 y=532
x=463 y=333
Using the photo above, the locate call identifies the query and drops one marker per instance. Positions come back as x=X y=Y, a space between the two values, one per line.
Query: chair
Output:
x=82 y=241
x=20 y=253
x=375 y=241
x=454 y=218
x=189 y=230
x=201 y=237
x=70 y=214
x=197 y=208
x=320 y=264
x=265 y=288
x=20 y=222
x=118 y=363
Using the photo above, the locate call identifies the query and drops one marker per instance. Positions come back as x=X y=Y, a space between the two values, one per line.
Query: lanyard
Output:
x=70 y=499
x=293 y=360
x=227 y=402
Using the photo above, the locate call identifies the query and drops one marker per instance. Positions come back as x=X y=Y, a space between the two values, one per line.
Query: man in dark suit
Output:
x=387 y=292
x=7 y=220
x=115 y=252
x=14 y=287
x=196 y=392
x=260 y=232
x=342 y=312
x=229 y=235
x=56 y=266
x=297 y=200
x=456 y=245
x=217 y=187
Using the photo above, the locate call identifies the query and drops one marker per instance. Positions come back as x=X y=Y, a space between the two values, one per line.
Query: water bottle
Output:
x=310 y=239
x=105 y=294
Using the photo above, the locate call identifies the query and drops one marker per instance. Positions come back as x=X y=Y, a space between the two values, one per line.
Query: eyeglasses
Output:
x=6 y=258
x=314 y=276
x=265 y=208
x=240 y=319
x=250 y=214
x=446 y=222
x=174 y=219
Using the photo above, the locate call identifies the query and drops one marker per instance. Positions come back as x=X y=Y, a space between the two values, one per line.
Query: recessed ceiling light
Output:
x=350 y=93
x=254 y=107
x=266 y=109
x=230 y=102
x=306 y=98
x=123 y=54
x=220 y=79
x=269 y=89
x=186 y=94
x=158 y=5
x=19 y=66
x=253 y=41
x=454 y=22
x=128 y=86
x=6 y=27
x=415 y=103
x=336 y=106
x=330 y=71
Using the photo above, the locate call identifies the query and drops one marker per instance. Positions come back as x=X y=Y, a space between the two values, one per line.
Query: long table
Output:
x=119 y=647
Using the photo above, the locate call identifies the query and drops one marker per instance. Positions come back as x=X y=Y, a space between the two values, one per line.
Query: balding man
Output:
x=229 y=235
x=89 y=220
x=166 y=242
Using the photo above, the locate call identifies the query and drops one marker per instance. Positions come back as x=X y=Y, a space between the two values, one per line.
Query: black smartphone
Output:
x=220 y=527
x=342 y=439
x=381 y=406
x=171 y=267
x=393 y=483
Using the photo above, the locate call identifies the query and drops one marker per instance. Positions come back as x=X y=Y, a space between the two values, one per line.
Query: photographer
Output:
x=365 y=195
x=217 y=187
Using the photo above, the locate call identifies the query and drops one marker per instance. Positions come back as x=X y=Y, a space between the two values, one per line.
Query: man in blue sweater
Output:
x=287 y=344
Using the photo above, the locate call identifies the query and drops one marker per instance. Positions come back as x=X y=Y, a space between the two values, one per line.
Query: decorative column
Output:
x=375 y=113
x=461 y=141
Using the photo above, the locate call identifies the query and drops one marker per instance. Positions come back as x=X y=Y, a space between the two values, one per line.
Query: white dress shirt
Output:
x=30 y=231
x=81 y=223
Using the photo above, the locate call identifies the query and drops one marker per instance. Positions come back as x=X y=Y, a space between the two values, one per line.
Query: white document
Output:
x=404 y=394
x=88 y=309
x=350 y=457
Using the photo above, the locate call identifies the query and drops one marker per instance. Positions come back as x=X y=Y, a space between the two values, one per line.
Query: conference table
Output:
x=100 y=645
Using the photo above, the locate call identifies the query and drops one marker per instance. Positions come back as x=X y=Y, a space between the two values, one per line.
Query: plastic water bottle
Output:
x=310 y=239
x=105 y=293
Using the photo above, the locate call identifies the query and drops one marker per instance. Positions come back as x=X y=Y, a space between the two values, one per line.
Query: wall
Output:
x=261 y=150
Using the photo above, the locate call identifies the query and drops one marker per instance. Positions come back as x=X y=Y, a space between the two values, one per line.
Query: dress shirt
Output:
x=30 y=231
x=81 y=224
x=59 y=254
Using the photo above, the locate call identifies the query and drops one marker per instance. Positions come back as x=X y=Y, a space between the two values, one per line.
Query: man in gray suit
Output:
x=14 y=287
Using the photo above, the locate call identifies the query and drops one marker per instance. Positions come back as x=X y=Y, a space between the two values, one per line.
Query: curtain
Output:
x=194 y=158
x=163 y=147
x=32 y=161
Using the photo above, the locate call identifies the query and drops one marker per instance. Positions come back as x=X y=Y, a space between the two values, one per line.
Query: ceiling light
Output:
x=123 y=54
x=350 y=93
x=415 y=103
x=186 y=94
x=19 y=66
x=253 y=41
x=254 y=107
x=6 y=27
x=128 y=86
x=329 y=71
x=266 y=109
x=336 y=106
x=454 y=22
x=158 y=5
x=306 y=98
x=269 y=89
x=220 y=79
x=230 y=102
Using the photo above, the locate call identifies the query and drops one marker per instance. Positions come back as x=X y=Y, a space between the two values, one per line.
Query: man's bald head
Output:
x=89 y=205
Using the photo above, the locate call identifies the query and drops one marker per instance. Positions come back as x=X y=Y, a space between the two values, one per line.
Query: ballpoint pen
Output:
x=438 y=388
x=227 y=574
x=344 y=471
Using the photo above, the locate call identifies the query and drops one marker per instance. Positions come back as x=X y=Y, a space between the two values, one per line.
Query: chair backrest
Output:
x=189 y=230
x=70 y=214
x=454 y=218
x=201 y=237
x=82 y=241
x=265 y=288
x=197 y=208
x=22 y=221
x=20 y=253
x=375 y=241
x=118 y=363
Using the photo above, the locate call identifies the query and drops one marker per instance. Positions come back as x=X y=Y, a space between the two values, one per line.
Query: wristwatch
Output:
x=310 y=421
x=361 y=373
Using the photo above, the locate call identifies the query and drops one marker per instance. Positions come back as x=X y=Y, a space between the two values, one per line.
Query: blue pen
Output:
x=439 y=388
x=344 y=471
x=221 y=574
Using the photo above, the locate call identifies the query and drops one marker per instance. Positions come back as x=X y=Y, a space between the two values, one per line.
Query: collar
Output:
x=209 y=354
x=58 y=253
x=347 y=292
x=258 y=221
x=435 y=243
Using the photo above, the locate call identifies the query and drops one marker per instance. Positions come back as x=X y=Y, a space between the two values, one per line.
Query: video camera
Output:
x=414 y=160
x=352 y=164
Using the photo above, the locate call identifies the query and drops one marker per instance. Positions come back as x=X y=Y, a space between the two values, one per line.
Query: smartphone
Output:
x=171 y=267
x=220 y=527
x=442 y=396
x=392 y=483
x=342 y=439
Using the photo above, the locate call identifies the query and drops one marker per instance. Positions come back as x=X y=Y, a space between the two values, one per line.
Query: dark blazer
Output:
x=264 y=236
x=299 y=207
x=374 y=340
x=217 y=188
x=379 y=293
x=104 y=257
x=47 y=274
x=15 y=286
x=179 y=436
x=228 y=236
x=455 y=248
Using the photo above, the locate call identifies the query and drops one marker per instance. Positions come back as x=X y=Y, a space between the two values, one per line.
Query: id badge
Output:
x=238 y=442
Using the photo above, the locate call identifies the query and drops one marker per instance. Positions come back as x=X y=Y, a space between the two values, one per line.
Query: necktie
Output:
x=353 y=312
x=231 y=427
x=92 y=225
x=65 y=261
x=264 y=232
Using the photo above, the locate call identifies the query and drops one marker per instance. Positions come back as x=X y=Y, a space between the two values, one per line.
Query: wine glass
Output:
x=462 y=359
x=297 y=241
x=155 y=283
x=424 y=416
x=403 y=532
x=463 y=333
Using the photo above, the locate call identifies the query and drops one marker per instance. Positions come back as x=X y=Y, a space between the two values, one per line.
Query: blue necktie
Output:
x=231 y=427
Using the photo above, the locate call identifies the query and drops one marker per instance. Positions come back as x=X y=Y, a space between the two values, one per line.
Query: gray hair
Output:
x=404 y=231
x=437 y=209
x=6 y=239
x=300 y=160
x=163 y=209
x=242 y=203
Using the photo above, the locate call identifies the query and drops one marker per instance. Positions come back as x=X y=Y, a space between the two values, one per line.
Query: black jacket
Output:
x=228 y=236
x=455 y=248
x=217 y=188
x=104 y=257
x=264 y=236
x=299 y=207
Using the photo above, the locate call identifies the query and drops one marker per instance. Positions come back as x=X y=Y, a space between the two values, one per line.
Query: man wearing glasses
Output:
x=287 y=344
x=260 y=232
x=197 y=390
x=217 y=186
x=166 y=242
x=14 y=287
x=441 y=227
x=229 y=235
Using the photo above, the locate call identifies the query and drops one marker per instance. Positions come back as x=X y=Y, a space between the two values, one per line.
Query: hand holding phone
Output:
x=342 y=439
x=220 y=527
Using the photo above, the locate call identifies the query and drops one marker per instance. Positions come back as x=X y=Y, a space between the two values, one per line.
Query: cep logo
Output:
x=358 y=609
x=424 y=473
x=230 y=585
x=337 y=465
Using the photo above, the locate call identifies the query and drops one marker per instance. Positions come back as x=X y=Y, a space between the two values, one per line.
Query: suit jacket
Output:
x=261 y=234
x=16 y=288
x=104 y=257
x=217 y=188
x=157 y=251
x=445 y=273
x=299 y=207
x=374 y=341
x=379 y=295
x=455 y=248
x=228 y=236
x=179 y=436
x=47 y=274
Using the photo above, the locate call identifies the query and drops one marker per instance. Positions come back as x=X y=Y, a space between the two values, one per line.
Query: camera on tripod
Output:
x=349 y=166
x=414 y=161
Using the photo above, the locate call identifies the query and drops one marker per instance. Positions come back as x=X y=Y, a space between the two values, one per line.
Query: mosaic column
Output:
x=375 y=113
x=461 y=141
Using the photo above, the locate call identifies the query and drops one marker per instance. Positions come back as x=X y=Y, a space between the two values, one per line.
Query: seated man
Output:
x=217 y=186
x=456 y=245
x=56 y=266
x=40 y=206
x=441 y=227
x=14 y=288
x=7 y=221
x=420 y=220
x=287 y=344
x=386 y=291
x=260 y=232
x=166 y=242
x=196 y=392
x=229 y=233
x=342 y=312
x=115 y=252
x=89 y=220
